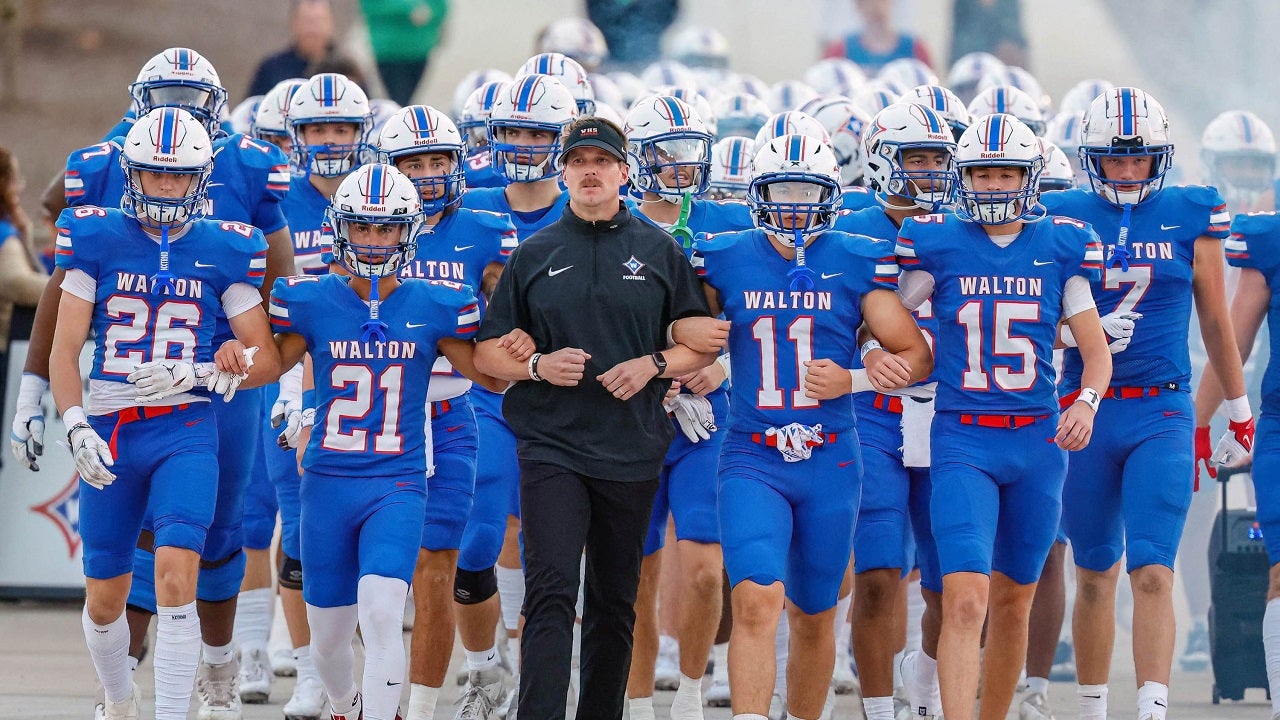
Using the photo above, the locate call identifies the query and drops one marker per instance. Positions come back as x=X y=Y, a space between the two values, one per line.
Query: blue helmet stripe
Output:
x=934 y=125
x=995 y=128
x=524 y=94
x=939 y=98
x=1126 y=112
x=1248 y=131
x=183 y=59
x=490 y=95
x=1001 y=100
x=544 y=65
x=780 y=125
x=374 y=191
x=796 y=149
x=422 y=122
x=165 y=137
x=677 y=115
x=735 y=155
x=326 y=90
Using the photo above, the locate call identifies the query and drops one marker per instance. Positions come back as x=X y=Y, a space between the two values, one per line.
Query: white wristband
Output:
x=861 y=383
x=74 y=416
x=867 y=347
x=1238 y=409
x=1089 y=397
x=533 y=367
x=723 y=362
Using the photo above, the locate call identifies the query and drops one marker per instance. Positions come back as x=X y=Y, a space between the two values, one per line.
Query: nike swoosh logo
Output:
x=1171 y=413
x=194 y=423
x=452 y=428
x=204 y=265
x=1092 y=697
x=825 y=276
x=414 y=325
x=553 y=273
x=1038 y=263
x=846 y=463
x=1169 y=227
x=402 y=484
x=1157 y=702
x=392 y=684
x=460 y=248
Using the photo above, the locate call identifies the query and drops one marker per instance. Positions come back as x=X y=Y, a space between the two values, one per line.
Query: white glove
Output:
x=26 y=436
x=297 y=419
x=1117 y=325
x=92 y=454
x=225 y=383
x=694 y=414
x=290 y=398
x=160 y=379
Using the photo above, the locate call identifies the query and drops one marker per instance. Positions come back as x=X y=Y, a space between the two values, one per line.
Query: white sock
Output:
x=331 y=652
x=133 y=665
x=687 y=704
x=482 y=660
x=1271 y=647
x=843 y=629
x=1153 y=700
x=897 y=668
x=109 y=648
x=422 y=702
x=253 y=617
x=513 y=654
x=640 y=708
x=915 y=611
x=1038 y=685
x=750 y=716
x=511 y=595
x=921 y=676
x=218 y=655
x=381 y=607
x=1093 y=701
x=176 y=657
x=781 y=654
x=794 y=717
x=878 y=708
x=303 y=664
x=720 y=651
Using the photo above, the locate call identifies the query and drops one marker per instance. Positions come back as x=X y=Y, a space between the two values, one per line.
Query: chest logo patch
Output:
x=633 y=267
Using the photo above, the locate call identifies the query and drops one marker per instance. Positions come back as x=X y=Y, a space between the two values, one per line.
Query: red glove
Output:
x=1204 y=449
x=1243 y=432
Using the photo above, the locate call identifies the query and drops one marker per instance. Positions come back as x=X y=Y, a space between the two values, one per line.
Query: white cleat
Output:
x=506 y=710
x=718 y=692
x=307 y=701
x=217 y=686
x=255 y=675
x=666 y=671
x=777 y=707
x=282 y=662
x=126 y=709
x=1034 y=706
x=484 y=692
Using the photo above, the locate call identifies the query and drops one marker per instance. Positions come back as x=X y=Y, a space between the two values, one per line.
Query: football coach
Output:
x=596 y=294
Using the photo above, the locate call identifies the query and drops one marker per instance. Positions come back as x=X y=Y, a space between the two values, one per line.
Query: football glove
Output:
x=1204 y=451
x=92 y=455
x=160 y=379
x=1235 y=447
x=1118 y=327
x=297 y=419
x=26 y=436
x=694 y=414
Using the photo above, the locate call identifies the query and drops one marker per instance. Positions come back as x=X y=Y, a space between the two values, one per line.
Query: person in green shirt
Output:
x=403 y=34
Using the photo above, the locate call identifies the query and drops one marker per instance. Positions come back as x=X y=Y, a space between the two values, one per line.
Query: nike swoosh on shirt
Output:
x=846 y=463
x=414 y=325
x=460 y=248
x=1038 y=263
x=452 y=428
x=826 y=276
x=205 y=265
x=1169 y=227
x=194 y=423
x=553 y=273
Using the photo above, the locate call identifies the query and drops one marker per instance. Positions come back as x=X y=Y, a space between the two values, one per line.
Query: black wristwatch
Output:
x=660 y=361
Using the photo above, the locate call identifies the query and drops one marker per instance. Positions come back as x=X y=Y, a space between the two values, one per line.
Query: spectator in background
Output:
x=878 y=41
x=403 y=34
x=633 y=29
x=21 y=280
x=993 y=26
x=311 y=34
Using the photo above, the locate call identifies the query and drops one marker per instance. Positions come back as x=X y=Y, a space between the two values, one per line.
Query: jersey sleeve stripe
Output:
x=278 y=310
x=469 y=318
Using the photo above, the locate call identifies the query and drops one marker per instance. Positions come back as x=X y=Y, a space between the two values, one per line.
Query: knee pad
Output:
x=291 y=573
x=472 y=587
x=219 y=580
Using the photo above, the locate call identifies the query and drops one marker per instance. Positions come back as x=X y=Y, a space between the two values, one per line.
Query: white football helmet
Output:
x=944 y=102
x=844 y=123
x=795 y=188
x=375 y=194
x=241 y=117
x=791 y=123
x=835 y=76
x=329 y=98
x=382 y=109
x=1080 y=97
x=895 y=131
x=1063 y=130
x=740 y=114
x=699 y=47
x=607 y=112
x=1125 y=122
x=166 y=140
x=665 y=73
x=269 y=122
x=747 y=84
x=999 y=140
x=531 y=102
x=1058 y=173
x=968 y=70
x=577 y=38
x=908 y=72
x=471 y=82
x=568 y=72
x=1027 y=83
x=691 y=97
x=875 y=96
x=666 y=136
x=473 y=123
x=790 y=95
x=731 y=168
x=419 y=129
x=1238 y=152
x=181 y=78
x=1009 y=100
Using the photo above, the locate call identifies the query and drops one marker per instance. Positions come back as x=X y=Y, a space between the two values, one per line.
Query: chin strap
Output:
x=162 y=283
x=373 y=329
x=1120 y=254
x=680 y=230
x=801 y=276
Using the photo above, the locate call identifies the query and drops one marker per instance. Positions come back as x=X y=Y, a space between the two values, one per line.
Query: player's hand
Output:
x=705 y=380
x=565 y=367
x=694 y=415
x=1235 y=447
x=626 y=378
x=519 y=345
x=672 y=391
x=825 y=380
x=299 y=419
x=92 y=455
x=232 y=369
x=887 y=371
x=1075 y=426
x=701 y=334
x=1204 y=451
x=26 y=436
x=160 y=379
x=1119 y=329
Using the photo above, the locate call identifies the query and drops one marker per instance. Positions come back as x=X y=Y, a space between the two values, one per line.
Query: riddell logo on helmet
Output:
x=991 y=155
x=164 y=158
x=373 y=208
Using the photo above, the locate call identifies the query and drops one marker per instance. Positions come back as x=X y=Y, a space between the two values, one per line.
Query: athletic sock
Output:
x=1271 y=647
x=1153 y=700
x=1093 y=701
x=422 y=702
x=176 y=657
x=511 y=595
x=640 y=708
x=220 y=655
x=380 y=603
x=687 y=704
x=108 y=649
x=254 y=616
x=482 y=660
x=1038 y=685
x=878 y=708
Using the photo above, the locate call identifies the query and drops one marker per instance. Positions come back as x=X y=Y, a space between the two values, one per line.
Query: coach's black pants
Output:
x=561 y=512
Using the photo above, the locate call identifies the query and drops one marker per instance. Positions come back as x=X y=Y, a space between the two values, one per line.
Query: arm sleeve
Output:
x=239 y=298
x=914 y=287
x=80 y=284
x=1077 y=296
x=506 y=309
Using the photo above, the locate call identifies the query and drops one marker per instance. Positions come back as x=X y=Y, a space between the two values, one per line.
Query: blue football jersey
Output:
x=132 y=325
x=995 y=352
x=1255 y=243
x=304 y=209
x=123 y=127
x=775 y=330
x=461 y=246
x=495 y=200
x=1161 y=243
x=371 y=398
x=478 y=168
x=708 y=217
x=857 y=198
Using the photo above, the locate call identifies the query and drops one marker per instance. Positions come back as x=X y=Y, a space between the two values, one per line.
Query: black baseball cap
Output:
x=594 y=132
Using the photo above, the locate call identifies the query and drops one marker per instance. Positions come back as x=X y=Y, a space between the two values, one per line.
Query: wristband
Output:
x=1089 y=397
x=723 y=362
x=1238 y=409
x=74 y=417
x=533 y=367
x=861 y=383
x=867 y=347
